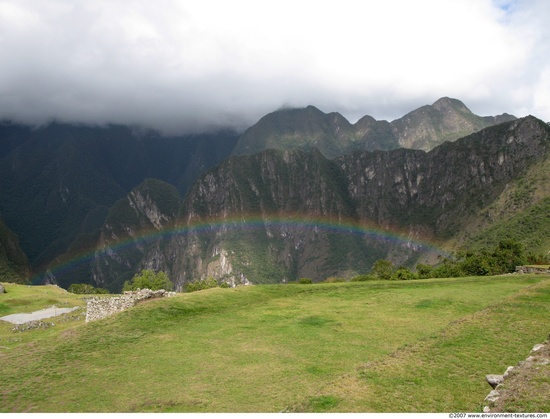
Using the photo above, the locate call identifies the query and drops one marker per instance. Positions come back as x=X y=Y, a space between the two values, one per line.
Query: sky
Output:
x=181 y=66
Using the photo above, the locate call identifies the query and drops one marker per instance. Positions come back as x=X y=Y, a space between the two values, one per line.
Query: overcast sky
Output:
x=190 y=65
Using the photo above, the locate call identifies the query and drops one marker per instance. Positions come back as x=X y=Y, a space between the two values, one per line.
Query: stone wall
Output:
x=532 y=269
x=99 y=308
x=507 y=386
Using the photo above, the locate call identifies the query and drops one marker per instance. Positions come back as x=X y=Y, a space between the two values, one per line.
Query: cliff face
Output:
x=439 y=188
x=59 y=181
x=257 y=216
x=271 y=181
x=14 y=266
x=281 y=215
x=133 y=235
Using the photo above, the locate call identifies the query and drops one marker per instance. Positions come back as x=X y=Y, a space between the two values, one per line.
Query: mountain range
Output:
x=422 y=129
x=300 y=193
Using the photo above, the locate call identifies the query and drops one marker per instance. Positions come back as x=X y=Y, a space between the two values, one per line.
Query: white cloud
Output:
x=189 y=65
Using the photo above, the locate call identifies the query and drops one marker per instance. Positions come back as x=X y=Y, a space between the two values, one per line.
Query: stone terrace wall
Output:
x=504 y=386
x=532 y=269
x=99 y=308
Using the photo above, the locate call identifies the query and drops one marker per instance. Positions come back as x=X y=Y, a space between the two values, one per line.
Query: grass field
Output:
x=407 y=346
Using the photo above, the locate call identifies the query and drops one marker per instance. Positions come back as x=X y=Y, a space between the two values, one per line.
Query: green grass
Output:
x=528 y=227
x=26 y=298
x=342 y=347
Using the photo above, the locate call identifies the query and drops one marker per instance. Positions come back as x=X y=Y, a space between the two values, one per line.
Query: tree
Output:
x=150 y=280
x=383 y=269
x=478 y=264
x=509 y=254
x=424 y=271
x=449 y=268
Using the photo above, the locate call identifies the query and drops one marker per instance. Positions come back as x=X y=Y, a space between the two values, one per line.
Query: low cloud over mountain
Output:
x=192 y=66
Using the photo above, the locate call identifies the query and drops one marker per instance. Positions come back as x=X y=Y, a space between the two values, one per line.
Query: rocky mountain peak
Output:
x=447 y=119
x=447 y=104
x=430 y=125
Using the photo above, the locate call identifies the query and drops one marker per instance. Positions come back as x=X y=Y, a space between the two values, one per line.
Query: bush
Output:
x=202 y=284
x=477 y=265
x=448 y=269
x=403 y=274
x=150 y=280
x=503 y=259
x=363 y=278
x=305 y=281
x=383 y=269
x=424 y=271
x=538 y=259
x=333 y=279
x=86 y=289
x=509 y=254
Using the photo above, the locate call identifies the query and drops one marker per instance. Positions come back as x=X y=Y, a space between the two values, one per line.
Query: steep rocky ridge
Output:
x=439 y=188
x=242 y=203
x=281 y=215
x=520 y=212
x=446 y=120
x=309 y=128
x=132 y=237
x=266 y=217
x=59 y=181
x=14 y=266
x=424 y=128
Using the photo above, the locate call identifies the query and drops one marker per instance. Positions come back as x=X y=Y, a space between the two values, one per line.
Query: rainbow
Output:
x=349 y=227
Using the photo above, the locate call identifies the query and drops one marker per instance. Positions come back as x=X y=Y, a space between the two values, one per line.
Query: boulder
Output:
x=538 y=347
x=494 y=380
x=2 y=290
x=493 y=396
